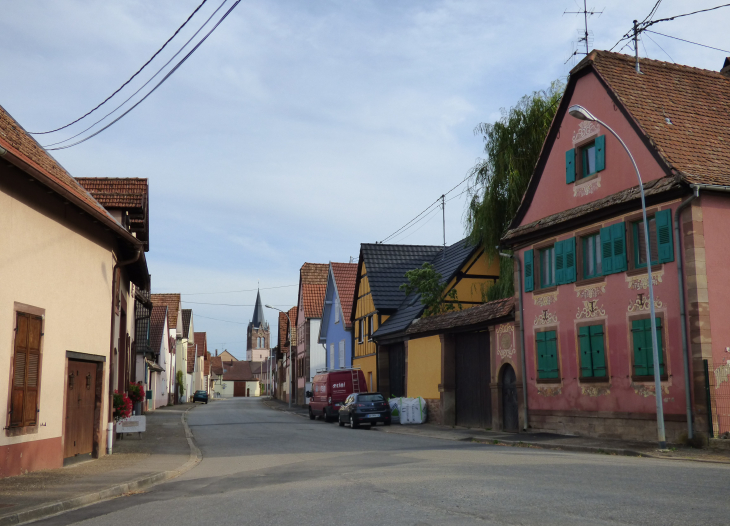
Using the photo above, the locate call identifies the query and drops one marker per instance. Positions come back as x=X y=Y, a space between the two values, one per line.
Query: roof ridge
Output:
x=596 y=53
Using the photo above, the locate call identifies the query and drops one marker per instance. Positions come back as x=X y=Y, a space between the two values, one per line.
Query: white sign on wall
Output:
x=133 y=424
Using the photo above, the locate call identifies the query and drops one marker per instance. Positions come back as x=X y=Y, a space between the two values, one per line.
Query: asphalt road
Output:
x=261 y=466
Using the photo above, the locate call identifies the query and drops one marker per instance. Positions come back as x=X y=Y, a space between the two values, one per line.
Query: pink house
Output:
x=588 y=354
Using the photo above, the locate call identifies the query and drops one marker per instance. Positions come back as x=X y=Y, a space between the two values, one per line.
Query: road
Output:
x=261 y=466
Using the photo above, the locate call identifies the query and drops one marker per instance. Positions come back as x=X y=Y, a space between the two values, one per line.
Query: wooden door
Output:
x=397 y=370
x=510 y=418
x=80 y=405
x=473 y=395
x=239 y=388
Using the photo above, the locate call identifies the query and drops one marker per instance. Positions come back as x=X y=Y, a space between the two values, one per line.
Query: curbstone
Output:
x=57 y=508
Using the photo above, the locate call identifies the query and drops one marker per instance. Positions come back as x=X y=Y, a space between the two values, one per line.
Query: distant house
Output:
x=196 y=361
x=153 y=361
x=283 y=350
x=335 y=331
x=310 y=356
x=175 y=320
x=238 y=380
x=227 y=357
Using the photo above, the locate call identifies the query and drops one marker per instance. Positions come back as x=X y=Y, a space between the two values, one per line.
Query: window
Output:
x=547 y=355
x=342 y=354
x=592 y=265
x=613 y=249
x=585 y=160
x=592 y=352
x=547 y=267
x=337 y=310
x=371 y=327
x=640 y=255
x=26 y=368
x=588 y=159
x=643 y=350
x=332 y=356
x=361 y=328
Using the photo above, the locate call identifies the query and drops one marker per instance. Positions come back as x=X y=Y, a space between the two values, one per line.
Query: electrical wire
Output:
x=218 y=319
x=130 y=78
x=431 y=216
x=233 y=291
x=651 y=23
x=225 y=304
x=156 y=86
x=687 y=41
x=660 y=47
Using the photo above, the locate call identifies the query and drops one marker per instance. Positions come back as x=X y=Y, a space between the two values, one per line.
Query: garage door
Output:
x=473 y=395
x=239 y=388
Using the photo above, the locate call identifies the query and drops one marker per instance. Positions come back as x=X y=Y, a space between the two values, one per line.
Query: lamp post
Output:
x=291 y=376
x=579 y=112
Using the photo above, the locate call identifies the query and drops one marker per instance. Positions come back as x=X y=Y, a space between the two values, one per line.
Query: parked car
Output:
x=364 y=408
x=331 y=389
x=200 y=396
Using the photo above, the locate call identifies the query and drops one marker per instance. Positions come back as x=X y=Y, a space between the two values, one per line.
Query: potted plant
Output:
x=136 y=394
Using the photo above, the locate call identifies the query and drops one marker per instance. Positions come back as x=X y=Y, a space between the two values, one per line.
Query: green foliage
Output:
x=512 y=147
x=180 y=382
x=427 y=282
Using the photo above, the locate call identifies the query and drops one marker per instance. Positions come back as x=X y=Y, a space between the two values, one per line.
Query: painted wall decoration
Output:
x=590 y=292
x=587 y=188
x=546 y=318
x=590 y=310
x=641 y=303
x=506 y=340
x=641 y=282
x=544 y=300
x=586 y=130
x=594 y=391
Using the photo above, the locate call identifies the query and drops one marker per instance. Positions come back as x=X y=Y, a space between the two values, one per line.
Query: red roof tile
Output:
x=314 y=273
x=172 y=301
x=283 y=337
x=206 y=364
x=158 y=316
x=313 y=300
x=345 y=278
x=216 y=365
x=127 y=192
x=486 y=312
x=237 y=371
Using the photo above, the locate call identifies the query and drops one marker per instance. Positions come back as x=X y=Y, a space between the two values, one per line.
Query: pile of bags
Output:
x=408 y=410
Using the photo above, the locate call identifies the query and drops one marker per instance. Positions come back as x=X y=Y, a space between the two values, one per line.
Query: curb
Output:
x=56 y=508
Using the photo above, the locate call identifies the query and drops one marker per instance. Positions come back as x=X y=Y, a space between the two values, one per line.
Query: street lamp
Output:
x=291 y=375
x=579 y=112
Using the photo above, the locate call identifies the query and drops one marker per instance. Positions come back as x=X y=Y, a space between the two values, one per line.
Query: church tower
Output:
x=257 y=336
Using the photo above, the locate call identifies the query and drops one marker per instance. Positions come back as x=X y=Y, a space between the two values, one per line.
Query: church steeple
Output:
x=258 y=312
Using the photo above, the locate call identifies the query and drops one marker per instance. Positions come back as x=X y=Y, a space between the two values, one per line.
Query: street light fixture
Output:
x=579 y=112
x=291 y=375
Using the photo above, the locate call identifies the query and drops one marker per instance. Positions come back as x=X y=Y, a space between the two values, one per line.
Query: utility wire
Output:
x=218 y=319
x=688 y=41
x=225 y=304
x=130 y=78
x=651 y=23
x=232 y=291
x=157 y=85
x=660 y=47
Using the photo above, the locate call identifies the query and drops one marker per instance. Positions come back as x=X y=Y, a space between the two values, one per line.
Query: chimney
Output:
x=726 y=67
x=216 y=352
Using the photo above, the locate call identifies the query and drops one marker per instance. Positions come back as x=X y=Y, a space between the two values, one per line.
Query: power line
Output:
x=688 y=41
x=233 y=291
x=157 y=85
x=651 y=23
x=225 y=304
x=660 y=47
x=218 y=319
x=130 y=78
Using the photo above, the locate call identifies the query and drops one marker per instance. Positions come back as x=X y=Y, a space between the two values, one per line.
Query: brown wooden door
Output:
x=80 y=405
x=473 y=394
x=239 y=388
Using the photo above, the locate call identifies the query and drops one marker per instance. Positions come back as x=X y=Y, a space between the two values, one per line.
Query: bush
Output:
x=122 y=406
x=136 y=392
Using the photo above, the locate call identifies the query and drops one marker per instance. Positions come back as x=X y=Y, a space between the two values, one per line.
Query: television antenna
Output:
x=586 y=36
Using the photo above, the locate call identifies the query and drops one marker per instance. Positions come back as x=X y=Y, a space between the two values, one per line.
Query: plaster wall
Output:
x=716 y=217
x=368 y=365
x=424 y=367
x=335 y=334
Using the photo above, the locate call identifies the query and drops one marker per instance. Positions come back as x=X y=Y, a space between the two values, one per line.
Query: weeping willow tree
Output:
x=512 y=146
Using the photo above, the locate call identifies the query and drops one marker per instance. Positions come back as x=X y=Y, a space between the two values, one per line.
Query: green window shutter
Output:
x=569 y=273
x=618 y=240
x=650 y=350
x=586 y=356
x=570 y=166
x=598 y=351
x=600 y=153
x=551 y=355
x=607 y=251
x=529 y=271
x=641 y=366
x=540 y=340
x=664 y=235
x=559 y=263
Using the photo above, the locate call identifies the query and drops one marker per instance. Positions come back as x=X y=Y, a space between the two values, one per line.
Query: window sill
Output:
x=650 y=378
x=21 y=430
x=549 y=380
x=640 y=271
x=595 y=380
x=578 y=182
x=590 y=281
x=552 y=288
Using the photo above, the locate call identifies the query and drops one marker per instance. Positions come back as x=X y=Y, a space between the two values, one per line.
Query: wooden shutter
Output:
x=600 y=153
x=597 y=351
x=606 y=251
x=664 y=235
x=639 y=334
x=551 y=354
x=650 y=350
x=586 y=356
x=559 y=263
x=570 y=166
x=26 y=371
x=529 y=271
x=541 y=353
x=618 y=239
x=569 y=272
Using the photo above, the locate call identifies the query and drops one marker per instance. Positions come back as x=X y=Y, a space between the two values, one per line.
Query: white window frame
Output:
x=342 y=354
x=337 y=310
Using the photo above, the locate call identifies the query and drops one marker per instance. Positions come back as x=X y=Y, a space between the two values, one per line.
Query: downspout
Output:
x=522 y=334
x=110 y=424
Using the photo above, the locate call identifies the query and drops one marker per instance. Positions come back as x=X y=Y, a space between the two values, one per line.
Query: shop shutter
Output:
x=664 y=235
x=570 y=166
x=597 y=351
x=569 y=272
x=600 y=153
x=586 y=356
x=529 y=271
x=559 y=263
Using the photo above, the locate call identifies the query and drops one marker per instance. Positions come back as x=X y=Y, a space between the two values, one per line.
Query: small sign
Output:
x=133 y=424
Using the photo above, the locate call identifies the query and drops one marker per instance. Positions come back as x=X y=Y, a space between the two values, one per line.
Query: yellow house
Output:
x=465 y=269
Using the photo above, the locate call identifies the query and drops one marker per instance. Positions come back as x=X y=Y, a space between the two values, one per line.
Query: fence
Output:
x=717 y=391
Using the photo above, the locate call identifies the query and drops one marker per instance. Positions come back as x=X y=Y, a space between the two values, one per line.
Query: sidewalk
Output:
x=274 y=403
x=164 y=451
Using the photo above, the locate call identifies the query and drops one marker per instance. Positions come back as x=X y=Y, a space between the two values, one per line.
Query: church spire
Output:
x=258 y=312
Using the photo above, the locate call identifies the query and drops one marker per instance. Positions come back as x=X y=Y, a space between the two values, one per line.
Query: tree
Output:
x=512 y=146
x=427 y=282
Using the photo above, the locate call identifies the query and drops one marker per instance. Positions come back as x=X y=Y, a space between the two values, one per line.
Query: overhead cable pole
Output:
x=443 y=213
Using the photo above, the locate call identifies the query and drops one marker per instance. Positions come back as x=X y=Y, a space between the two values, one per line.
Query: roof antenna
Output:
x=587 y=37
x=443 y=211
x=636 y=45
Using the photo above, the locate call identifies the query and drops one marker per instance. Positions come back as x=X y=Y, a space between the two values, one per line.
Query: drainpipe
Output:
x=522 y=333
x=682 y=300
x=110 y=424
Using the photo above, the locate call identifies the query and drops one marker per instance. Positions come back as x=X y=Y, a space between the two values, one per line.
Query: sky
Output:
x=300 y=129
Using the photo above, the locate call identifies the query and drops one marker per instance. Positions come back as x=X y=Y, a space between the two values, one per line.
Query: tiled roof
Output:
x=447 y=264
x=493 y=310
x=158 y=317
x=386 y=266
x=651 y=188
x=25 y=152
x=187 y=315
x=255 y=367
x=696 y=101
x=172 y=301
x=216 y=365
x=314 y=273
x=127 y=192
x=206 y=364
x=313 y=300
x=201 y=340
x=239 y=371
x=192 y=349
x=345 y=277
